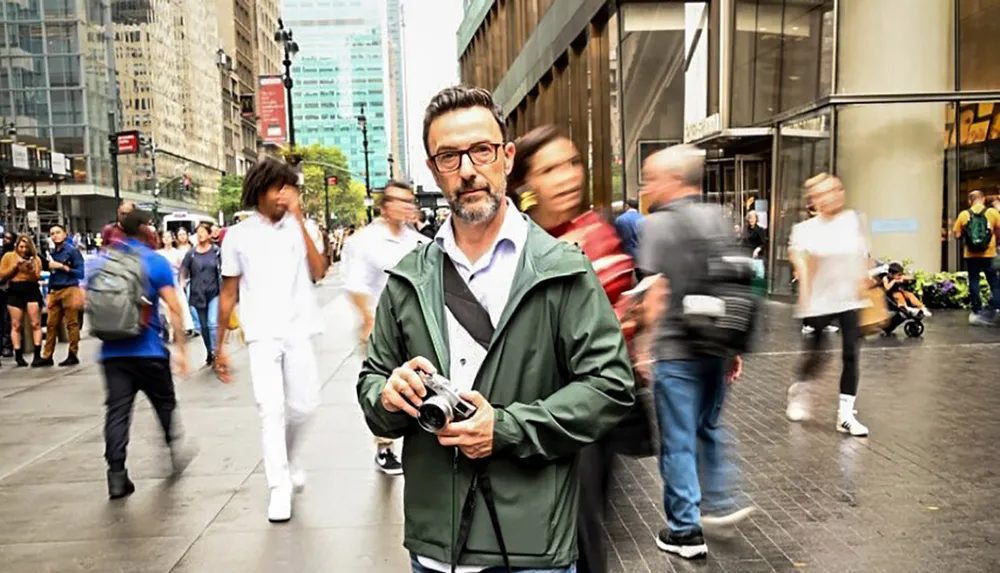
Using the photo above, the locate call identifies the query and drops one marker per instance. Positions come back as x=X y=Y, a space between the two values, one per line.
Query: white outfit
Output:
x=372 y=251
x=837 y=252
x=280 y=320
x=175 y=256
x=490 y=279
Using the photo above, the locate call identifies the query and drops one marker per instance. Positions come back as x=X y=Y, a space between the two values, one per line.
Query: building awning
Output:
x=735 y=137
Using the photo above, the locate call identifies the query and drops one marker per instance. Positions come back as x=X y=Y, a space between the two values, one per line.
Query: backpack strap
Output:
x=464 y=305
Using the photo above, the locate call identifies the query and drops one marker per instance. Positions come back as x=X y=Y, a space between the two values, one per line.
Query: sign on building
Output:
x=58 y=163
x=19 y=156
x=272 y=120
x=127 y=142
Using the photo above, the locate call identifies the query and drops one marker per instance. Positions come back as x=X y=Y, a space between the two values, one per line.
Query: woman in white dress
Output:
x=175 y=256
x=830 y=254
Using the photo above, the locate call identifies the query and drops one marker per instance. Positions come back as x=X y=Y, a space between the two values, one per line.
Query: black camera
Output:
x=442 y=404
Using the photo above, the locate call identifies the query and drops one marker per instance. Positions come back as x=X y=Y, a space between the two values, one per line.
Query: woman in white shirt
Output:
x=175 y=256
x=830 y=255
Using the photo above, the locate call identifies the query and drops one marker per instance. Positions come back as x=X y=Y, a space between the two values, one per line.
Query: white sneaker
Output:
x=798 y=402
x=831 y=328
x=976 y=319
x=727 y=519
x=927 y=312
x=298 y=476
x=851 y=425
x=806 y=329
x=280 y=508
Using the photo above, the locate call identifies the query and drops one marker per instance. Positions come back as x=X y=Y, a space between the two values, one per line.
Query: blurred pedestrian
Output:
x=549 y=182
x=270 y=263
x=65 y=297
x=830 y=256
x=627 y=225
x=369 y=255
x=689 y=381
x=138 y=363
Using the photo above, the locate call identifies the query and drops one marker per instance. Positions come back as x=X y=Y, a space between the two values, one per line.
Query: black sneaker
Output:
x=689 y=546
x=388 y=463
x=119 y=485
x=71 y=360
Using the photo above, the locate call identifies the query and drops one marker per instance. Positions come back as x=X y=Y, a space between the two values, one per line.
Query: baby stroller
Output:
x=912 y=322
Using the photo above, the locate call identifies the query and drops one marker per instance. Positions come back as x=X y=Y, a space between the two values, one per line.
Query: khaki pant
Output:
x=62 y=303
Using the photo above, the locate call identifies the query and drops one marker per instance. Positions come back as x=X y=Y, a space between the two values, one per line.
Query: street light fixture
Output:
x=284 y=37
x=363 y=124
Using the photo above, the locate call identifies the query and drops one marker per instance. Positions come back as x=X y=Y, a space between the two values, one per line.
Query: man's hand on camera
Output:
x=404 y=389
x=475 y=435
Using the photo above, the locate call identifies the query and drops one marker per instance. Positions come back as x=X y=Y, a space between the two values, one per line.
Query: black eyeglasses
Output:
x=483 y=153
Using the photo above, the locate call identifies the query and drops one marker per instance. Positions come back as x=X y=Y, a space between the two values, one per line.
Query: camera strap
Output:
x=469 y=313
x=480 y=481
x=465 y=307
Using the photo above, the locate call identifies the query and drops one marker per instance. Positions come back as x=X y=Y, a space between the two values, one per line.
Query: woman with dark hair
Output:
x=547 y=182
x=23 y=268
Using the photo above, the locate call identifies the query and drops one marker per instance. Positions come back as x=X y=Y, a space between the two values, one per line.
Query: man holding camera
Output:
x=513 y=330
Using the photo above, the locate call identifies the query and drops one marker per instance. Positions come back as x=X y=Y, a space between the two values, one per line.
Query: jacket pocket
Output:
x=525 y=500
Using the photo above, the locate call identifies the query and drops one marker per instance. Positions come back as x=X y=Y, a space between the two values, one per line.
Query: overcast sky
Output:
x=431 y=63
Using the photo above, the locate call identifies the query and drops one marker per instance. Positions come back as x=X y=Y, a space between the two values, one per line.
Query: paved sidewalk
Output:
x=919 y=496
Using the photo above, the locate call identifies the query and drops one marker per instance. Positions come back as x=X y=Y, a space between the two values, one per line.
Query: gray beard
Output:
x=477 y=214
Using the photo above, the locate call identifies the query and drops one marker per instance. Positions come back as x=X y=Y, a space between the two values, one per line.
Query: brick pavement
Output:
x=918 y=496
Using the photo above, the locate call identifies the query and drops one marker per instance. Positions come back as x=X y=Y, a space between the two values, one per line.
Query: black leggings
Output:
x=850 y=332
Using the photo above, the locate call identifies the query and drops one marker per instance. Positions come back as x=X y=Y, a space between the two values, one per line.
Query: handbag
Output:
x=874 y=316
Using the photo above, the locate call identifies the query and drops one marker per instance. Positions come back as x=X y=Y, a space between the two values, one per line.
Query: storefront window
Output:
x=977 y=140
x=651 y=65
x=806 y=52
x=896 y=165
x=979 y=44
x=804 y=150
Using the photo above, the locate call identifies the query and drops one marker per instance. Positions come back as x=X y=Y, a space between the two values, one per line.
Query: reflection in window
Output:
x=804 y=151
x=979 y=37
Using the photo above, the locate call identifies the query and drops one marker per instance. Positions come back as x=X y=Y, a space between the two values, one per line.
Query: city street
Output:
x=919 y=496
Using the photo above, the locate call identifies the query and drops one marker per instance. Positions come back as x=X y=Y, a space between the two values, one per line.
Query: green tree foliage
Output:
x=347 y=204
x=228 y=198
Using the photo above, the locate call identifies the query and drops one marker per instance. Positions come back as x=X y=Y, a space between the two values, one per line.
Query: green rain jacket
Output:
x=558 y=374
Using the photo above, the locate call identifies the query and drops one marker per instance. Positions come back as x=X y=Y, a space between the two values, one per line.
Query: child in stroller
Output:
x=904 y=306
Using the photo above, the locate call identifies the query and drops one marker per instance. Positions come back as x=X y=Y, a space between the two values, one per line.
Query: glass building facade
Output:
x=343 y=66
x=55 y=66
x=900 y=98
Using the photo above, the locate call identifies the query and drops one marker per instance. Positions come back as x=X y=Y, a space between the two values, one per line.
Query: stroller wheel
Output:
x=914 y=328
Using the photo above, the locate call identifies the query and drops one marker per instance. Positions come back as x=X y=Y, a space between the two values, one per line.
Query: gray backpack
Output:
x=116 y=297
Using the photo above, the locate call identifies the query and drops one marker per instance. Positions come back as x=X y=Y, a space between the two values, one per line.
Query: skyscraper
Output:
x=347 y=62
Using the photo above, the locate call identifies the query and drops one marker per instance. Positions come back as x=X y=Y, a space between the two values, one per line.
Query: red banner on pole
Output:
x=332 y=180
x=271 y=110
x=127 y=142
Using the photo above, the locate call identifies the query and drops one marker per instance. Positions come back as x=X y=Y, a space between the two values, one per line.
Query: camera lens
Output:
x=434 y=415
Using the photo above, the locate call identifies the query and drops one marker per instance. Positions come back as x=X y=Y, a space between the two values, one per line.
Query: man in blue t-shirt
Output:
x=627 y=225
x=142 y=363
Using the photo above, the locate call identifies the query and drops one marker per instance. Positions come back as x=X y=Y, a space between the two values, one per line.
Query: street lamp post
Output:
x=284 y=36
x=391 y=161
x=363 y=124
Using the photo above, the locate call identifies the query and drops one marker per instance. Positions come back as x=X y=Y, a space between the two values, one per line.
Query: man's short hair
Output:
x=134 y=221
x=632 y=203
x=685 y=161
x=57 y=226
x=265 y=174
x=461 y=97
x=976 y=195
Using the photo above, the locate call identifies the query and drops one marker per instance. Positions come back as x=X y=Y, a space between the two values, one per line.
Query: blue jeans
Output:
x=977 y=267
x=418 y=568
x=689 y=396
x=207 y=322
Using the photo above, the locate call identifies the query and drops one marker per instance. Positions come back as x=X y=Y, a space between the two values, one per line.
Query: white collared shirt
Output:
x=372 y=251
x=490 y=279
x=277 y=298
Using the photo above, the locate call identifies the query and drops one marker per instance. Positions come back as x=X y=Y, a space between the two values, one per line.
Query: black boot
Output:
x=71 y=360
x=119 y=485
x=19 y=358
x=37 y=360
